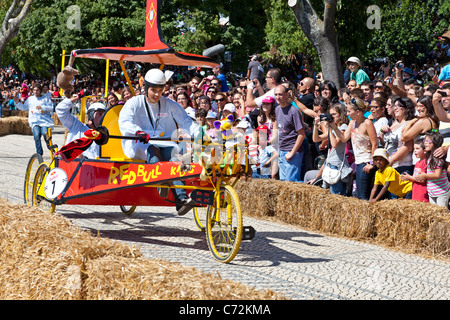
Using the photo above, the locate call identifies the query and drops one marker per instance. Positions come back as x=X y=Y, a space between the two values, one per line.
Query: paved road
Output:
x=301 y=264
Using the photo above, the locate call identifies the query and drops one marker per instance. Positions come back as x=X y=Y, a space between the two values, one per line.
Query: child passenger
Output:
x=388 y=178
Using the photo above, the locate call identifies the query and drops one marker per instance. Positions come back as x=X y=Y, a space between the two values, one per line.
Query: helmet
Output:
x=155 y=77
x=95 y=107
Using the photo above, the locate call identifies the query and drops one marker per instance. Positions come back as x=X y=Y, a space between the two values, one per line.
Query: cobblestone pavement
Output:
x=301 y=264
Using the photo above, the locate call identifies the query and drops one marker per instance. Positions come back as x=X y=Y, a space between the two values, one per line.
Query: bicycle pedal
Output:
x=204 y=197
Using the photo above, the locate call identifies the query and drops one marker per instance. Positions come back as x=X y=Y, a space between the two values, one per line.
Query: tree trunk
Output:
x=322 y=35
x=14 y=16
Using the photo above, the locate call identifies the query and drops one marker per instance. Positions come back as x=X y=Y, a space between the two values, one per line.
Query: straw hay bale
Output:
x=114 y=277
x=14 y=113
x=403 y=224
x=14 y=125
x=45 y=256
x=412 y=224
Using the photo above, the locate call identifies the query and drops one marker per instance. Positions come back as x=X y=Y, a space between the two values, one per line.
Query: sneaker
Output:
x=184 y=206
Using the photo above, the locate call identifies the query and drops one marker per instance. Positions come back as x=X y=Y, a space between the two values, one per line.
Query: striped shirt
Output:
x=439 y=186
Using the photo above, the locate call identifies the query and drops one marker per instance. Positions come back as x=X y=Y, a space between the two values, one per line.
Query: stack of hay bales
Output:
x=404 y=224
x=14 y=125
x=43 y=256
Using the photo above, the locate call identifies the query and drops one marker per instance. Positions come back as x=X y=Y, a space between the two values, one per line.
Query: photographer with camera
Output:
x=396 y=84
x=383 y=66
x=364 y=141
x=441 y=105
x=335 y=119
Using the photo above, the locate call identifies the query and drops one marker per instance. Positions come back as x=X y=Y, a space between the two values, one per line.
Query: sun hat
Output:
x=380 y=152
x=355 y=60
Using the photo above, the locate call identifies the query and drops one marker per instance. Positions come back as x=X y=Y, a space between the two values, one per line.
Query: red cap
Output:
x=262 y=127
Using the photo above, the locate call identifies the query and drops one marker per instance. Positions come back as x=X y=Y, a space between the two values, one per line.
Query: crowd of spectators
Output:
x=386 y=132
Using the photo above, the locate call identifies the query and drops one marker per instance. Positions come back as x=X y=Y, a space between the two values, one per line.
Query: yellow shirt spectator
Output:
x=397 y=186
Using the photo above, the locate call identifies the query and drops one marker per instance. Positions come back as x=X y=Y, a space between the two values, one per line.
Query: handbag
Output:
x=330 y=175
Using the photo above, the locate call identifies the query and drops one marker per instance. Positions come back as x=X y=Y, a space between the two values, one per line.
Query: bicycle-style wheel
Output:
x=39 y=179
x=33 y=164
x=200 y=215
x=224 y=225
x=127 y=209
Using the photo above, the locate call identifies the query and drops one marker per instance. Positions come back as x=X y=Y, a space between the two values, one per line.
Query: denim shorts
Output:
x=290 y=170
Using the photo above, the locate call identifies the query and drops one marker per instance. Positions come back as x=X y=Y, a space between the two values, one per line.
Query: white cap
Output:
x=97 y=106
x=155 y=77
x=243 y=124
x=355 y=60
x=230 y=107
x=211 y=115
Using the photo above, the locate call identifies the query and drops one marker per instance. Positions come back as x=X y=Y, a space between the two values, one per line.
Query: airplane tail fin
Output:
x=153 y=34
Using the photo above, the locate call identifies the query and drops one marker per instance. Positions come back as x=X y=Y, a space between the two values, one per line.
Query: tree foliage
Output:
x=284 y=37
x=408 y=29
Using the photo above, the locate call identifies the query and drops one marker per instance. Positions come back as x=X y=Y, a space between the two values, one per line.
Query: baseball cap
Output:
x=408 y=70
x=243 y=124
x=262 y=127
x=230 y=107
x=211 y=115
x=268 y=99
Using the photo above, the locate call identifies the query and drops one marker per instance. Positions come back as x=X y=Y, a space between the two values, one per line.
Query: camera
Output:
x=399 y=65
x=325 y=117
x=442 y=93
x=383 y=61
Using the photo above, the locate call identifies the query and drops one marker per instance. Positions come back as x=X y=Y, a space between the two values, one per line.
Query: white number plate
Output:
x=55 y=183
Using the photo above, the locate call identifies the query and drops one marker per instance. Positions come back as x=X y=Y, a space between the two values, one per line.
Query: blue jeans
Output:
x=339 y=187
x=153 y=153
x=38 y=132
x=256 y=175
x=290 y=170
x=364 y=182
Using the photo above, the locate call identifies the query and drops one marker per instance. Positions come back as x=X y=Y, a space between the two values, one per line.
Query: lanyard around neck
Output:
x=150 y=117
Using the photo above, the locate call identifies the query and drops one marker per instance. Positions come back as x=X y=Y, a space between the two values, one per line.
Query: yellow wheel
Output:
x=30 y=173
x=200 y=214
x=39 y=179
x=224 y=225
x=127 y=209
